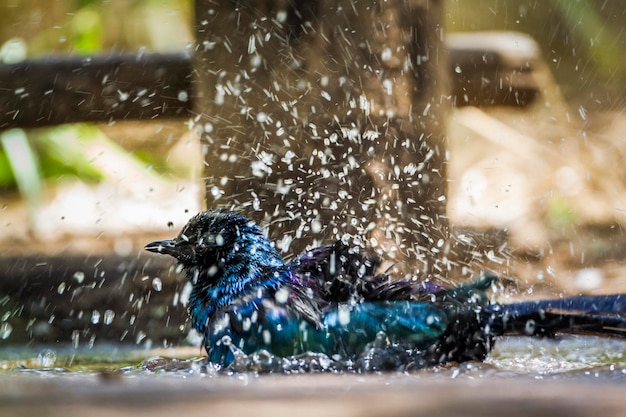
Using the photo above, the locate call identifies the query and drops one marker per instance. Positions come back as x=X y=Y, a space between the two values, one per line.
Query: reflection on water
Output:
x=563 y=357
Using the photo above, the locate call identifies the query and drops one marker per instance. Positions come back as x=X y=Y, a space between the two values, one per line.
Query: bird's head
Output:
x=209 y=239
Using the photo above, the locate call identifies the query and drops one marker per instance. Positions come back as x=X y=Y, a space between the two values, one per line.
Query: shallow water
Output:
x=568 y=356
x=572 y=375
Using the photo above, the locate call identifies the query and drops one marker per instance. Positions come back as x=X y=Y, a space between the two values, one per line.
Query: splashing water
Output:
x=565 y=357
x=5 y=330
x=578 y=357
x=47 y=358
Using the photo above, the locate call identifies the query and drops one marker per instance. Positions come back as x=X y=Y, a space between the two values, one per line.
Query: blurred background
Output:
x=79 y=201
x=82 y=180
x=550 y=175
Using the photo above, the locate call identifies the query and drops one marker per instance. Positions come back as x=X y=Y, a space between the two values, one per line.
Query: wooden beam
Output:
x=62 y=89
x=485 y=69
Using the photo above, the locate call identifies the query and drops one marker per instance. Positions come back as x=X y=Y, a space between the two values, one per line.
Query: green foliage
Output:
x=87 y=31
x=560 y=213
x=50 y=153
x=155 y=161
x=581 y=40
x=60 y=150
x=601 y=45
x=23 y=163
x=6 y=174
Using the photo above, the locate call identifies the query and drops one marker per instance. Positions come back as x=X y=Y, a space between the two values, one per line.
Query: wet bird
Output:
x=330 y=300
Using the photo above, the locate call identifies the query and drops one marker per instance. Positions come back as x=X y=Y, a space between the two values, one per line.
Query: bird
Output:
x=331 y=300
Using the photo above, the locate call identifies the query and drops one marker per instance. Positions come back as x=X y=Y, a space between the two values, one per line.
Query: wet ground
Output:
x=573 y=376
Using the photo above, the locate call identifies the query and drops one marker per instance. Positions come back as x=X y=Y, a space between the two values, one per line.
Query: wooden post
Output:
x=325 y=119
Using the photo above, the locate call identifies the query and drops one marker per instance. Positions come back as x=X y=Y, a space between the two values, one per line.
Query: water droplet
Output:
x=182 y=96
x=109 y=315
x=343 y=315
x=267 y=337
x=282 y=295
x=47 y=358
x=212 y=270
x=281 y=16
x=157 y=284
x=216 y=192
x=5 y=330
x=255 y=60
x=186 y=293
x=388 y=86
x=95 y=317
x=61 y=288
x=251 y=44
x=316 y=226
x=140 y=336
x=79 y=276
x=75 y=339
x=386 y=54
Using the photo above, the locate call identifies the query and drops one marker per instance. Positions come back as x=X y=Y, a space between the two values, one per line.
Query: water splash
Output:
x=109 y=315
x=95 y=317
x=567 y=357
x=5 y=330
x=79 y=276
x=47 y=358
x=570 y=357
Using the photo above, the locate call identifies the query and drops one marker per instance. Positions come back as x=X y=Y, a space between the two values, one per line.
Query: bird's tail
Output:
x=605 y=314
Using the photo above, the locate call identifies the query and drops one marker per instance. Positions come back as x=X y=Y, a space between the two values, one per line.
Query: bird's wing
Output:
x=338 y=274
x=263 y=321
x=410 y=323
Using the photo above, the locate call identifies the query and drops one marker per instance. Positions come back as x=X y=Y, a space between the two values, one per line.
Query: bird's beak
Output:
x=166 y=247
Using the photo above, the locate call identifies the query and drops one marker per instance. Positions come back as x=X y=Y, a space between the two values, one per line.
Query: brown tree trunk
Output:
x=324 y=120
